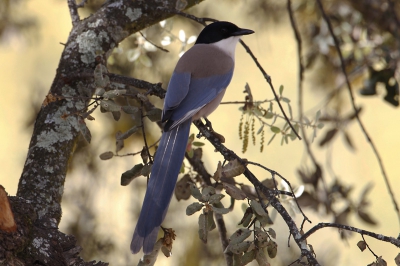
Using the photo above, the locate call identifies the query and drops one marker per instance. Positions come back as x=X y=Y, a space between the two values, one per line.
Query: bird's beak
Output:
x=241 y=32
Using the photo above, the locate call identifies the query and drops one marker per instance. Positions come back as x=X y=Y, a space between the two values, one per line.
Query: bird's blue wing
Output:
x=188 y=92
x=177 y=90
x=202 y=91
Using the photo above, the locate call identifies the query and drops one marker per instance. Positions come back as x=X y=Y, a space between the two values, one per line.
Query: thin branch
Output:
x=136 y=153
x=144 y=133
x=152 y=88
x=268 y=193
x=73 y=10
x=353 y=103
x=287 y=182
x=392 y=240
x=158 y=47
x=300 y=87
x=224 y=239
x=268 y=78
x=368 y=246
x=197 y=164
x=81 y=4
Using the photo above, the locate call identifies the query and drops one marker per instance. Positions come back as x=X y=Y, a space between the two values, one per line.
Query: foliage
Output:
x=368 y=38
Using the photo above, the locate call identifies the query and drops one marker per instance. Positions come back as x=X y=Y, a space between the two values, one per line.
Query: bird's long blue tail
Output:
x=164 y=173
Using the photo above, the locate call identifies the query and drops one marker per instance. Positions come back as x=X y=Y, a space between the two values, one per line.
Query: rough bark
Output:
x=37 y=207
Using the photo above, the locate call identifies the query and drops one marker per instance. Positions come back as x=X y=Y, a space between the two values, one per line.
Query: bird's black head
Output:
x=220 y=30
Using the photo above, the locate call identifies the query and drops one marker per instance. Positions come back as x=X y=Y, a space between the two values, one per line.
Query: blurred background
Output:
x=102 y=214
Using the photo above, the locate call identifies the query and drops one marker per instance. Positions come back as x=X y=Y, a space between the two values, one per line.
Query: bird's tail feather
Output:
x=164 y=173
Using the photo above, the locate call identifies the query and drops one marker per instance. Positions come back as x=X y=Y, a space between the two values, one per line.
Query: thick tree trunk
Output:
x=37 y=207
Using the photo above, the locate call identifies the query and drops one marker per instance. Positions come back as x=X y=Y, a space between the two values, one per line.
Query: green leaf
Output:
x=260 y=129
x=261 y=258
x=272 y=138
x=286 y=100
x=210 y=221
x=202 y=228
x=207 y=192
x=128 y=133
x=246 y=219
x=116 y=115
x=182 y=188
x=106 y=155
x=234 y=191
x=129 y=109
x=237 y=258
x=275 y=129
x=195 y=192
x=272 y=233
x=317 y=115
x=272 y=249
x=146 y=170
x=257 y=208
x=261 y=235
x=110 y=106
x=239 y=236
x=182 y=170
x=113 y=93
x=129 y=175
x=248 y=257
x=239 y=248
x=220 y=210
x=197 y=143
x=268 y=115
x=257 y=112
x=215 y=198
x=193 y=208
x=154 y=114
x=280 y=90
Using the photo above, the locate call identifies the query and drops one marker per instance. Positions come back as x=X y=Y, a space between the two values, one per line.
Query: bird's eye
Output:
x=224 y=30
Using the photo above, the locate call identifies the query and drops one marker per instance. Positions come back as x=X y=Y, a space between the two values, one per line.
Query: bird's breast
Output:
x=204 y=60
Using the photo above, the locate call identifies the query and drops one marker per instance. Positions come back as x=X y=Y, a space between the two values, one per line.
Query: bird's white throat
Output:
x=228 y=45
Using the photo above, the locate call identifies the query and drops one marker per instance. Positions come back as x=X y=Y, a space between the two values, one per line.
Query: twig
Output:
x=287 y=182
x=268 y=78
x=392 y=240
x=300 y=87
x=144 y=133
x=152 y=88
x=73 y=10
x=158 y=47
x=198 y=166
x=368 y=246
x=81 y=4
x=224 y=239
x=353 y=103
x=136 y=153
x=269 y=194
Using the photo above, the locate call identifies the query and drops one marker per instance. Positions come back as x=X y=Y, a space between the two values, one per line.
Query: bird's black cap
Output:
x=220 y=30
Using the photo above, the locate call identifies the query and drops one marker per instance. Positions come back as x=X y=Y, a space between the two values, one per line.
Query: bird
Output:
x=195 y=90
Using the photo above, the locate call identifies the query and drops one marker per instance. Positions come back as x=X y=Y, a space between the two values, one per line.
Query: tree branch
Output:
x=392 y=240
x=57 y=127
x=353 y=103
x=73 y=10
x=269 y=194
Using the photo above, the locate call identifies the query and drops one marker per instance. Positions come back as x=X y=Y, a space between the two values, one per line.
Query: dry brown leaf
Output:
x=7 y=222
